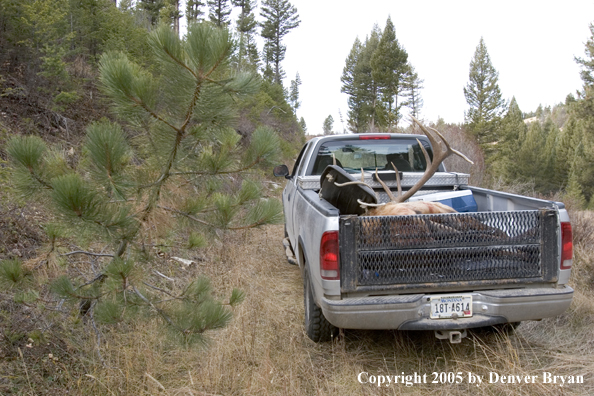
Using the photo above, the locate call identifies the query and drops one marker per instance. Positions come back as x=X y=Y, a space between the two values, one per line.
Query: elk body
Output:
x=423 y=228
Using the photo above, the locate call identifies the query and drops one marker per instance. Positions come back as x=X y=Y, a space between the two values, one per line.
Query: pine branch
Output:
x=239 y=170
x=88 y=254
x=151 y=112
x=190 y=111
x=163 y=291
x=179 y=62
x=159 y=311
x=187 y=215
x=97 y=334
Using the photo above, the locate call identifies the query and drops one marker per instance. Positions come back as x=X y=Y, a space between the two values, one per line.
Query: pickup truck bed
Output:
x=508 y=261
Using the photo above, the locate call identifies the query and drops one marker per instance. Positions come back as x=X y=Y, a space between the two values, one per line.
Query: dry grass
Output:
x=265 y=351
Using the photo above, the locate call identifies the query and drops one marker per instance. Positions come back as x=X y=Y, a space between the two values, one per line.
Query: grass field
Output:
x=265 y=351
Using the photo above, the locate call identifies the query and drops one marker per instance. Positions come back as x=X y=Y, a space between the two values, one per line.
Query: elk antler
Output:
x=441 y=150
x=440 y=153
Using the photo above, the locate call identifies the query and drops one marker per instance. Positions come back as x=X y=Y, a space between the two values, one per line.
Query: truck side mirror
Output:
x=281 y=170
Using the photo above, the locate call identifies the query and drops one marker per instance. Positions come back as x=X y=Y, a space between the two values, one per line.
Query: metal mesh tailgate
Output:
x=454 y=250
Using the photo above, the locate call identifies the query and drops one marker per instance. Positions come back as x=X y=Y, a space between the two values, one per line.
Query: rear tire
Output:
x=317 y=327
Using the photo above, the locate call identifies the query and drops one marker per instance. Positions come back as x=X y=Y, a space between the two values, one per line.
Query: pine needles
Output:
x=185 y=161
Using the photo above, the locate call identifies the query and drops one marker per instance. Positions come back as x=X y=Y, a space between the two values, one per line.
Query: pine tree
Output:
x=152 y=8
x=574 y=188
x=368 y=89
x=219 y=12
x=294 y=93
x=374 y=78
x=570 y=138
x=349 y=81
x=178 y=136
x=280 y=17
x=583 y=111
x=194 y=11
x=512 y=133
x=484 y=98
x=47 y=35
x=365 y=106
x=389 y=65
x=588 y=63
x=530 y=158
x=328 y=125
x=303 y=125
x=171 y=14
x=411 y=91
x=246 y=26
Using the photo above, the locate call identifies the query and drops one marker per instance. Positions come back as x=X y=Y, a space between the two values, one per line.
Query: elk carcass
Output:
x=425 y=228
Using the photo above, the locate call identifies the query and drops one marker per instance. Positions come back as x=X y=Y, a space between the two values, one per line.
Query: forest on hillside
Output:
x=50 y=52
x=131 y=137
x=546 y=151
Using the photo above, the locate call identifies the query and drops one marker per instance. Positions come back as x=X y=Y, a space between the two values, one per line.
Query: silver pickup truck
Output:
x=500 y=258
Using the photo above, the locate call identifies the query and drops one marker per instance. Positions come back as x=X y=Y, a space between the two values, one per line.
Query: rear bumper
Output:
x=411 y=312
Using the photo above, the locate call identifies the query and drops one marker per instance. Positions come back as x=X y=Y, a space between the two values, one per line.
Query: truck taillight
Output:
x=329 y=256
x=566 y=246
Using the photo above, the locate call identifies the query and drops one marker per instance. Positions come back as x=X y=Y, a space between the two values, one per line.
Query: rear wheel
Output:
x=317 y=327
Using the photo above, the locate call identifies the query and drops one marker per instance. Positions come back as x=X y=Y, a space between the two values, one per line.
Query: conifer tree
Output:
x=350 y=83
x=303 y=125
x=365 y=106
x=588 y=62
x=531 y=159
x=374 y=78
x=328 y=125
x=574 y=188
x=152 y=8
x=484 y=98
x=246 y=26
x=512 y=132
x=583 y=111
x=220 y=12
x=547 y=181
x=388 y=67
x=280 y=17
x=570 y=138
x=411 y=91
x=368 y=88
x=171 y=13
x=178 y=136
x=294 y=93
x=47 y=35
x=194 y=11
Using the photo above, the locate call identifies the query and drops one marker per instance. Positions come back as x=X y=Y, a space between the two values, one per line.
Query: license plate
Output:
x=447 y=307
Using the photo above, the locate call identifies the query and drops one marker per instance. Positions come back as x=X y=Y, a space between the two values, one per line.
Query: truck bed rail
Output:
x=453 y=251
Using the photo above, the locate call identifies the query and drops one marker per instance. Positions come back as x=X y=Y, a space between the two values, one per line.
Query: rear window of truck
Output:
x=352 y=155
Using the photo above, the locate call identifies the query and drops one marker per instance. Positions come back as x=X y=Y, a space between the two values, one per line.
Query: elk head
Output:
x=397 y=205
